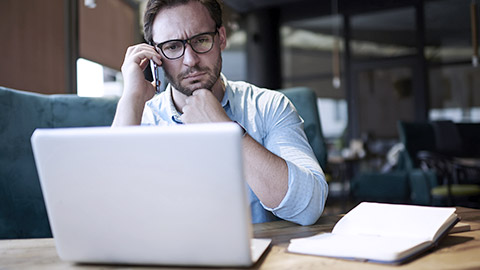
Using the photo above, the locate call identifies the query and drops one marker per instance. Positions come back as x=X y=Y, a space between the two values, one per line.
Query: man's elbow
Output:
x=316 y=206
x=313 y=217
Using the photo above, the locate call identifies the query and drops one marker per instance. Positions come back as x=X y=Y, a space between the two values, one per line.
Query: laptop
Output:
x=147 y=195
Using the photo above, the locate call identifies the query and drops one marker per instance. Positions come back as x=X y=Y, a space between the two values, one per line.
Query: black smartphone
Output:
x=156 y=75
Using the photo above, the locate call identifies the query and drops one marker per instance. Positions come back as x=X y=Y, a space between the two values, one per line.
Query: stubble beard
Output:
x=212 y=76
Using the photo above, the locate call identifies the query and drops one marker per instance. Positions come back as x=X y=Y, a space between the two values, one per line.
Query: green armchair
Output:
x=416 y=180
x=406 y=183
x=22 y=210
x=305 y=101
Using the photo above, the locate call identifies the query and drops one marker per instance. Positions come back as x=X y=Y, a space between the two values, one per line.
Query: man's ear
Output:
x=222 y=33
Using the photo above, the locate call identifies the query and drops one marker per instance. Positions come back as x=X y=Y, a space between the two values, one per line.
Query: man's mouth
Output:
x=194 y=75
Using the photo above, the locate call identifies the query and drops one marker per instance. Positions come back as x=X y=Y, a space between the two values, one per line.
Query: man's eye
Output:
x=171 y=47
x=202 y=40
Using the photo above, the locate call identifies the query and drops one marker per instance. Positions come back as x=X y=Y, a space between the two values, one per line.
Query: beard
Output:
x=212 y=75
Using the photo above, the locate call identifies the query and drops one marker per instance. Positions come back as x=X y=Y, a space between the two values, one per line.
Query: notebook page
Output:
x=393 y=220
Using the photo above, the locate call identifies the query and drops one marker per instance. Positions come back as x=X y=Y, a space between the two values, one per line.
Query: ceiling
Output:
x=243 y=6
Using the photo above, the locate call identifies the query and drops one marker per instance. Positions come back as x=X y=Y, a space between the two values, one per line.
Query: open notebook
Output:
x=147 y=195
x=383 y=233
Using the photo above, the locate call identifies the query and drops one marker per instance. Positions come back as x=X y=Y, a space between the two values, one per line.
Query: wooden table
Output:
x=459 y=250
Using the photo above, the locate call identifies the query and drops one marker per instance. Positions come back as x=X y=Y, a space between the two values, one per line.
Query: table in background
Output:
x=459 y=250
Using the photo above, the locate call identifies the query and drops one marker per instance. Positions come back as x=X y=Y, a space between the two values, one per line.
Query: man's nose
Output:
x=190 y=58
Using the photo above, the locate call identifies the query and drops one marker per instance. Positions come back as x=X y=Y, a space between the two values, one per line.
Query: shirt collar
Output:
x=228 y=101
x=172 y=111
x=228 y=92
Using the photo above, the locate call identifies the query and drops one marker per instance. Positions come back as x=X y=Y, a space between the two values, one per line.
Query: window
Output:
x=95 y=80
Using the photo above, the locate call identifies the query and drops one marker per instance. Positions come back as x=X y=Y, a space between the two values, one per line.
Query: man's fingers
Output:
x=139 y=52
x=144 y=63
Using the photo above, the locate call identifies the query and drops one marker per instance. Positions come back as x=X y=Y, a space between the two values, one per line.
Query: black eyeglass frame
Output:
x=159 y=46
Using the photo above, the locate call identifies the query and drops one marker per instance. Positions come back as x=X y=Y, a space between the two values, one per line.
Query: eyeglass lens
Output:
x=200 y=44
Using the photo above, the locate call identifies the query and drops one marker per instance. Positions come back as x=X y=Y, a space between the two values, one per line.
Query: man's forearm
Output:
x=129 y=112
x=265 y=172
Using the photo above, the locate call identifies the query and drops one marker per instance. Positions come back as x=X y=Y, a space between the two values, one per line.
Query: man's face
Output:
x=192 y=71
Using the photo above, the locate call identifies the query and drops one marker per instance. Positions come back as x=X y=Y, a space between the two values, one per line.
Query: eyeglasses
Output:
x=174 y=49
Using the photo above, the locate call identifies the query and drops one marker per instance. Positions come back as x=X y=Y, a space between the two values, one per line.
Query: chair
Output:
x=388 y=187
x=466 y=170
x=431 y=146
x=393 y=186
x=305 y=101
x=451 y=190
x=415 y=137
x=447 y=138
x=22 y=210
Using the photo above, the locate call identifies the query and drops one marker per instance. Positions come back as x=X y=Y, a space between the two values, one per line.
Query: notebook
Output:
x=147 y=195
x=381 y=233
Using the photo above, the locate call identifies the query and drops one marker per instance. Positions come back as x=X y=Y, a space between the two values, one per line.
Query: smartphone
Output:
x=156 y=76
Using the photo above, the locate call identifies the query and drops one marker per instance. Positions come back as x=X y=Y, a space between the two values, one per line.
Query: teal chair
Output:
x=390 y=187
x=305 y=101
x=406 y=183
x=22 y=210
x=416 y=137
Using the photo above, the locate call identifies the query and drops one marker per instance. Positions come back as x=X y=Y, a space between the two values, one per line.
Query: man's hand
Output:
x=135 y=62
x=137 y=90
x=203 y=107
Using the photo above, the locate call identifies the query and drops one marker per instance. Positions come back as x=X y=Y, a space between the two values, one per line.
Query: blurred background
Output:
x=371 y=63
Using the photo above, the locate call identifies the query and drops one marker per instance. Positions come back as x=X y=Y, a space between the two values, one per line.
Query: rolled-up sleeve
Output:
x=307 y=189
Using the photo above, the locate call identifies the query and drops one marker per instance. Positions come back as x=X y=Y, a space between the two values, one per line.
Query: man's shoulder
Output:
x=247 y=89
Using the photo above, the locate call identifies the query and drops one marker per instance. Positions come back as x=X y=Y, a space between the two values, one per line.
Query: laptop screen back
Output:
x=146 y=195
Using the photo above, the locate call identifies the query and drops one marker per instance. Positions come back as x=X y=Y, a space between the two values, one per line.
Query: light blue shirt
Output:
x=271 y=119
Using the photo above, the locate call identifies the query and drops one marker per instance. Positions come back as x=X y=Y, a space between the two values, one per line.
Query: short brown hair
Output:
x=154 y=6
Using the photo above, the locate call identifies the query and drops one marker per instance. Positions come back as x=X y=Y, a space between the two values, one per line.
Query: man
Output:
x=282 y=173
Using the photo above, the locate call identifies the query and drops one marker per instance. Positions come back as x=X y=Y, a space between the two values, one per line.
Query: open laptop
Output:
x=147 y=195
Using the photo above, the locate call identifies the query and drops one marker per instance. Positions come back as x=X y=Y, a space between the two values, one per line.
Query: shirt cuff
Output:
x=305 y=198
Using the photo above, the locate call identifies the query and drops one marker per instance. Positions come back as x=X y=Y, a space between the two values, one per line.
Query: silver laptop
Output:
x=147 y=195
